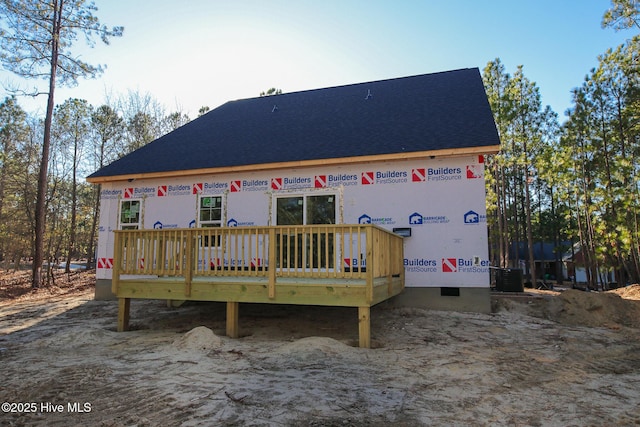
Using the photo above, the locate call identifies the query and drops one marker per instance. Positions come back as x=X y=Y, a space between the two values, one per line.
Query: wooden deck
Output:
x=334 y=265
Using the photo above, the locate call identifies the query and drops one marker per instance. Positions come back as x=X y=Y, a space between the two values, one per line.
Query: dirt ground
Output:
x=567 y=358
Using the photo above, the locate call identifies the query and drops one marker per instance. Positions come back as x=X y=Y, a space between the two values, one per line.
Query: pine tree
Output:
x=37 y=37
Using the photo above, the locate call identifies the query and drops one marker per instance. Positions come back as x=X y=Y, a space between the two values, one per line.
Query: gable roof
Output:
x=542 y=251
x=429 y=114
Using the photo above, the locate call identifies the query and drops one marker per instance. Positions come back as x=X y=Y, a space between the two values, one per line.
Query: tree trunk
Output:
x=527 y=208
x=41 y=214
x=74 y=206
x=3 y=180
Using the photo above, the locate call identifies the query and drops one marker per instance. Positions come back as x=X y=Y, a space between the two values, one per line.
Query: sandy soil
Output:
x=569 y=358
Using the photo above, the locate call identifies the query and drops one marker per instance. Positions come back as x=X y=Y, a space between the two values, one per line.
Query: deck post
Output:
x=370 y=253
x=364 y=326
x=189 y=262
x=117 y=261
x=124 y=304
x=272 y=263
x=233 y=308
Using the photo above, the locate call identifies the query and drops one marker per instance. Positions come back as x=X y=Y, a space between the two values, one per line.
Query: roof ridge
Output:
x=347 y=85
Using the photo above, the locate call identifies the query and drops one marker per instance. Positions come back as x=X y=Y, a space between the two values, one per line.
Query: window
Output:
x=302 y=210
x=210 y=211
x=312 y=247
x=210 y=215
x=130 y=214
x=290 y=211
x=321 y=209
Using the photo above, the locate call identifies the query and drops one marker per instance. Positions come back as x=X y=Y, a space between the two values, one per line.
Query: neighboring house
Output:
x=559 y=263
x=574 y=266
x=403 y=154
x=548 y=258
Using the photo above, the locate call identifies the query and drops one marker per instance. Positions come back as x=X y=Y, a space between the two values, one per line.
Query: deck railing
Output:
x=312 y=251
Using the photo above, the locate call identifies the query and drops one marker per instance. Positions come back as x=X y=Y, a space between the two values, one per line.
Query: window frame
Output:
x=305 y=205
x=210 y=222
x=130 y=225
x=305 y=242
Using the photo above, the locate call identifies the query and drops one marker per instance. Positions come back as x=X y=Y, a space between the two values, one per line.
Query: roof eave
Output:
x=447 y=152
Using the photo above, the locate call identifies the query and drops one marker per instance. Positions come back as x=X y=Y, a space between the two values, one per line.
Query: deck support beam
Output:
x=124 y=304
x=364 y=326
x=233 y=309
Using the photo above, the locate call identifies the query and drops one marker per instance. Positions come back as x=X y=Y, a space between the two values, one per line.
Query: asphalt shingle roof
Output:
x=447 y=110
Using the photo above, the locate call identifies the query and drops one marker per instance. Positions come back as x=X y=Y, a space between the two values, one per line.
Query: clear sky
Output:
x=191 y=53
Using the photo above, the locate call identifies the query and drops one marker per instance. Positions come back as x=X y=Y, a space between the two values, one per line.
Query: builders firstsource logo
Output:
x=288 y=183
x=255 y=185
x=367 y=178
x=137 y=192
x=248 y=185
x=420 y=265
x=212 y=187
x=449 y=265
x=444 y=174
x=419 y=175
x=276 y=184
x=475 y=171
x=355 y=263
x=384 y=177
x=391 y=177
x=464 y=265
x=110 y=194
x=175 y=190
x=201 y=188
x=333 y=180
